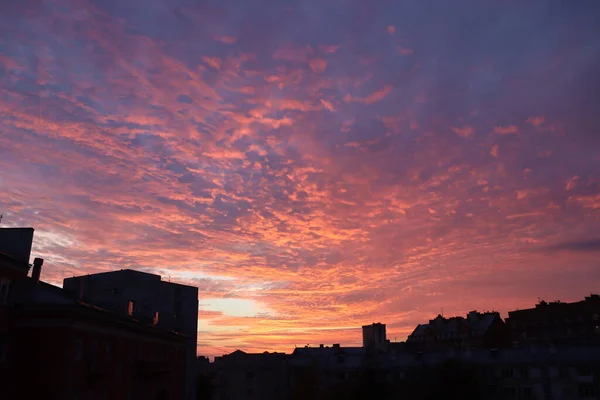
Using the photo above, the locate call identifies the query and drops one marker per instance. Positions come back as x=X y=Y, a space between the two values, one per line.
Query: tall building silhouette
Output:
x=374 y=335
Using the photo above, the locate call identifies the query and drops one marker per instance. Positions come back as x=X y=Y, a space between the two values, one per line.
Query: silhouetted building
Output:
x=146 y=297
x=53 y=346
x=374 y=335
x=241 y=375
x=476 y=330
x=17 y=243
x=557 y=322
x=325 y=372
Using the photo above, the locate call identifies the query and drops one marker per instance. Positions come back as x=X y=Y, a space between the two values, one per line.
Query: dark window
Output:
x=250 y=375
x=131 y=352
x=3 y=347
x=94 y=347
x=4 y=288
x=584 y=371
x=564 y=372
x=78 y=349
x=508 y=373
x=250 y=392
x=527 y=393
x=509 y=392
x=108 y=350
x=587 y=390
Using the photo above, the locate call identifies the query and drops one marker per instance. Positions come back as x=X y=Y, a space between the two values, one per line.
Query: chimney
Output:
x=37 y=269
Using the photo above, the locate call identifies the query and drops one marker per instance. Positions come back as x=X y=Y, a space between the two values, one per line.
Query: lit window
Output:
x=130 y=307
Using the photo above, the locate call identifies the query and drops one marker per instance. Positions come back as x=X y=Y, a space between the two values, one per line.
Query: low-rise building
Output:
x=475 y=330
x=242 y=375
x=557 y=322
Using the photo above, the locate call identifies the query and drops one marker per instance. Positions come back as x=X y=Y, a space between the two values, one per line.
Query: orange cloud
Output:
x=391 y=29
x=327 y=105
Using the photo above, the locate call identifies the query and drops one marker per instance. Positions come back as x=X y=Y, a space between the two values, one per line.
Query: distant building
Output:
x=146 y=297
x=325 y=372
x=68 y=349
x=476 y=330
x=374 y=335
x=557 y=322
x=241 y=375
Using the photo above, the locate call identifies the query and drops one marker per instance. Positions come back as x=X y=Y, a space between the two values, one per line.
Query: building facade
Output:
x=148 y=298
x=53 y=346
x=475 y=330
x=242 y=375
x=374 y=335
x=557 y=322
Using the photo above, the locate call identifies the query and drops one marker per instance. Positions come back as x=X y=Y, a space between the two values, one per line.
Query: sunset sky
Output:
x=312 y=166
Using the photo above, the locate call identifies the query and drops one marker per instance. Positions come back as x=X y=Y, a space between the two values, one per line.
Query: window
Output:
x=527 y=393
x=108 y=350
x=509 y=392
x=130 y=307
x=508 y=373
x=3 y=347
x=584 y=371
x=94 y=348
x=250 y=375
x=250 y=392
x=4 y=288
x=78 y=349
x=587 y=390
x=131 y=354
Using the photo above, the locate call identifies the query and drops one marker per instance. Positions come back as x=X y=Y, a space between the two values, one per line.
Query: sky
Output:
x=311 y=166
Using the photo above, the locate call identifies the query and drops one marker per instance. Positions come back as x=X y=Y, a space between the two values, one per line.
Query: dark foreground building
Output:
x=557 y=322
x=146 y=297
x=53 y=346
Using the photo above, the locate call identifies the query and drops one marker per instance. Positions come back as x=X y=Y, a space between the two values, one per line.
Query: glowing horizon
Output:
x=311 y=166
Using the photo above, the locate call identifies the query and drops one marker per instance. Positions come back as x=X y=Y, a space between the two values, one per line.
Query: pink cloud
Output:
x=536 y=121
x=329 y=49
x=506 y=130
x=328 y=105
x=405 y=51
x=318 y=65
x=391 y=29
x=226 y=39
x=465 y=131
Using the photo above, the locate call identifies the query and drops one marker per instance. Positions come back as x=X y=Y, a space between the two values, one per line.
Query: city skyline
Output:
x=311 y=167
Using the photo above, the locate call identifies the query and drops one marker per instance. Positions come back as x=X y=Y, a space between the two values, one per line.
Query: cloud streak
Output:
x=308 y=176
